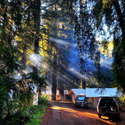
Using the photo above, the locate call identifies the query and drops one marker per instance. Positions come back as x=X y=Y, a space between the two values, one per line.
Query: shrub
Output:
x=43 y=99
x=35 y=117
x=3 y=98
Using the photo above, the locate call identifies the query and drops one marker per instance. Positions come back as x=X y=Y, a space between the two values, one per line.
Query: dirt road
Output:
x=64 y=113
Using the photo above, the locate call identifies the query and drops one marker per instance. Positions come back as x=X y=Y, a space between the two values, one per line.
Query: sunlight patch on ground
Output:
x=104 y=117
x=62 y=108
x=84 y=114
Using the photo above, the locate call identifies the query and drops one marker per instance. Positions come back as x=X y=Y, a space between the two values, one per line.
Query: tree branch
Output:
x=119 y=14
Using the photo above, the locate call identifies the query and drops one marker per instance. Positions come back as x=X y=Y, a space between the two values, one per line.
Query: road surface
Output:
x=64 y=113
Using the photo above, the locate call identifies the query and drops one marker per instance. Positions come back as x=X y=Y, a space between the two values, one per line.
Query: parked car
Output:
x=81 y=101
x=107 y=106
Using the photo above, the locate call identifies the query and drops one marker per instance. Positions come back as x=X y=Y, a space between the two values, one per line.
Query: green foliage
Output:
x=18 y=29
x=15 y=109
x=93 y=82
x=118 y=64
x=111 y=10
x=43 y=99
x=25 y=100
x=3 y=98
x=122 y=100
x=93 y=16
x=8 y=59
x=31 y=115
x=12 y=119
x=37 y=114
x=33 y=77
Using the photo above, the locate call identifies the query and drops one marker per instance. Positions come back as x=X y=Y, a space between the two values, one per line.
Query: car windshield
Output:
x=109 y=102
x=80 y=98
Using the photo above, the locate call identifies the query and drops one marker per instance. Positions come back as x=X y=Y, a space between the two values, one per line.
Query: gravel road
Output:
x=64 y=113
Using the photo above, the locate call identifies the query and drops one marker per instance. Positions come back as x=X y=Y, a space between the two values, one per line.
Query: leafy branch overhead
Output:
x=36 y=79
x=90 y=22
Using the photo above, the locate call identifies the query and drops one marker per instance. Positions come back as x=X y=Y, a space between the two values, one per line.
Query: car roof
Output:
x=80 y=96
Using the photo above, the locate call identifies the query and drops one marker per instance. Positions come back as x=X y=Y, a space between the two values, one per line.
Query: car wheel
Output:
x=76 y=106
x=99 y=115
x=86 y=107
x=118 y=117
x=110 y=118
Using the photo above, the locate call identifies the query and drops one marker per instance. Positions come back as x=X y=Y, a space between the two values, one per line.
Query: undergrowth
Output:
x=38 y=110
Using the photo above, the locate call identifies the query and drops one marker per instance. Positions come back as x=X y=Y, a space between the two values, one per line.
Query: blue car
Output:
x=81 y=101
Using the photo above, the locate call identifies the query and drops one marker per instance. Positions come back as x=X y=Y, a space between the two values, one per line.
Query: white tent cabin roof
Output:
x=77 y=91
x=101 y=92
x=95 y=92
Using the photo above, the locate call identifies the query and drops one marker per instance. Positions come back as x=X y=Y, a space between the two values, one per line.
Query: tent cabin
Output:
x=75 y=92
x=95 y=93
x=65 y=94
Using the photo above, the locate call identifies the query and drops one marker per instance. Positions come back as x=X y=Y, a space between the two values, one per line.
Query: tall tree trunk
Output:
x=46 y=79
x=54 y=79
x=61 y=90
x=61 y=85
x=37 y=4
x=83 y=83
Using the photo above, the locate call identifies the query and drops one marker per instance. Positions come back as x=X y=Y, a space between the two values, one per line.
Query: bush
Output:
x=38 y=112
x=16 y=111
x=43 y=99
x=3 y=99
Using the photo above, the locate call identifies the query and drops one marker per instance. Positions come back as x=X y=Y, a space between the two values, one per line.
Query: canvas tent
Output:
x=75 y=92
x=65 y=93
